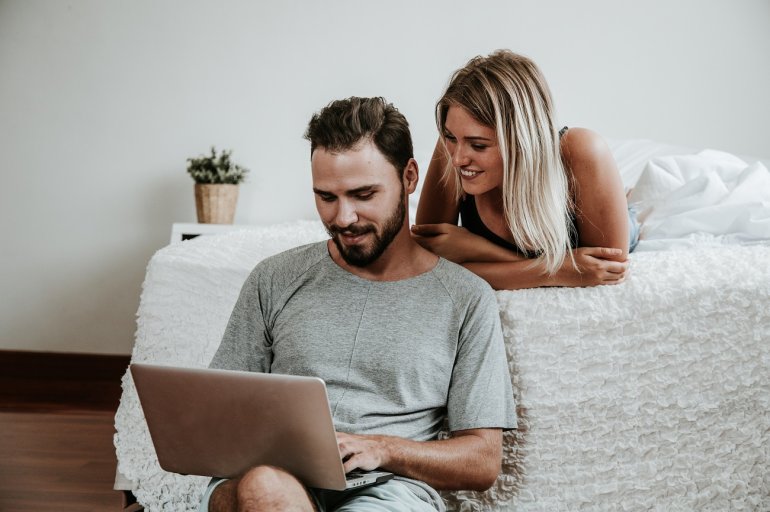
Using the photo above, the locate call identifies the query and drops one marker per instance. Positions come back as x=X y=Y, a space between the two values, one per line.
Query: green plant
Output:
x=216 y=168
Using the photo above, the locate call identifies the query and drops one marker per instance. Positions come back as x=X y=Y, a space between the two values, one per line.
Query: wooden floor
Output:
x=57 y=461
x=56 y=429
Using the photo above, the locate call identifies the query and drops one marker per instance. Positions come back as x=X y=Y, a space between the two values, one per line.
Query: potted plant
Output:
x=216 y=186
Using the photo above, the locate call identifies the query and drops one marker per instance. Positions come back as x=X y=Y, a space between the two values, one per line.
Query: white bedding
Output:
x=709 y=195
x=654 y=394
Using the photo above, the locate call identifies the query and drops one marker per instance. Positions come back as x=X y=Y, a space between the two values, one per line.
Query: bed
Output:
x=654 y=394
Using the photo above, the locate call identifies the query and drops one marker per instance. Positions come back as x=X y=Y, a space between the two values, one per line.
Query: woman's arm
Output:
x=600 y=204
x=595 y=266
x=508 y=270
x=438 y=199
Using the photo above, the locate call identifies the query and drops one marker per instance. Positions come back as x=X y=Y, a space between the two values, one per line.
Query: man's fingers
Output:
x=344 y=445
x=350 y=464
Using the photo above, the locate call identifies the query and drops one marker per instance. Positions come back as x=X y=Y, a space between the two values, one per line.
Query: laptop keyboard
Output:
x=356 y=473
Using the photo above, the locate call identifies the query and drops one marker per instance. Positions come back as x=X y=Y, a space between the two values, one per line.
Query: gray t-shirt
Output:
x=397 y=356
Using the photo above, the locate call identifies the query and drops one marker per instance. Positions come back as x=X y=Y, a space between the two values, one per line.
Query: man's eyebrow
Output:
x=365 y=188
x=352 y=191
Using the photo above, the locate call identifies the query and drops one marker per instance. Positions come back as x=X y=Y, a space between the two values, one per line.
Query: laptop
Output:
x=222 y=423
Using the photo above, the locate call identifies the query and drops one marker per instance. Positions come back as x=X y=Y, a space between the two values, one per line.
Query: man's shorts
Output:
x=395 y=495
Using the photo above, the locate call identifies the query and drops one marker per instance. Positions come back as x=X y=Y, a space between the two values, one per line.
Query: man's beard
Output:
x=364 y=255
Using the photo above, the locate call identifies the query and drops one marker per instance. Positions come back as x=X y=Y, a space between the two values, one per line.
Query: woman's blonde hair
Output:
x=508 y=92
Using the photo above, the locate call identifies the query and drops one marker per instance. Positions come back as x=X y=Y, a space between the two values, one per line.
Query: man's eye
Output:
x=365 y=197
x=326 y=198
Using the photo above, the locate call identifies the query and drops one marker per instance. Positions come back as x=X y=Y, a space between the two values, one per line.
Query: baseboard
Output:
x=57 y=381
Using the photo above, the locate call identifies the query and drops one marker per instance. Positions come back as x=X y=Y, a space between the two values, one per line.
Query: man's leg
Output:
x=391 y=496
x=261 y=489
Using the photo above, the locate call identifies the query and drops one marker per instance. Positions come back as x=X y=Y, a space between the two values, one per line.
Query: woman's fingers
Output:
x=425 y=242
x=603 y=271
x=614 y=267
x=429 y=229
x=615 y=277
x=602 y=252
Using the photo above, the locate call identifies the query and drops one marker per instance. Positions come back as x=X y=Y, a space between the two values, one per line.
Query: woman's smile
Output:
x=469 y=174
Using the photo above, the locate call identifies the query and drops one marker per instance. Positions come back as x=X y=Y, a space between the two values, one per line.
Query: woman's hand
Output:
x=595 y=266
x=446 y=240
x=458 y=244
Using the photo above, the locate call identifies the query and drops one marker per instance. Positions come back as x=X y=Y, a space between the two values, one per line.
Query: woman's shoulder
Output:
x=583 y=143
x=585 y=152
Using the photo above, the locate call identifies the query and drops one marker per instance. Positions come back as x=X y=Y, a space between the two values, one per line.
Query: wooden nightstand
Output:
x=181 y=231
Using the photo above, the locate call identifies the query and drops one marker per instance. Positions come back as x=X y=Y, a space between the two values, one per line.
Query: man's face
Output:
x=360 y=199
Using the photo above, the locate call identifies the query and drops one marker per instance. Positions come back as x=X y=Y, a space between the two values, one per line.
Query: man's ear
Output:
x=411 y=176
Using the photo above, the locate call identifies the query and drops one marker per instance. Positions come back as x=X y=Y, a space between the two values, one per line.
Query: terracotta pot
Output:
x=215 y=203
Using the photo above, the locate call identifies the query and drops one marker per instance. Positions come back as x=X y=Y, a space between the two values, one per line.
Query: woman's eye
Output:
x=479 y=147
x=449 y=138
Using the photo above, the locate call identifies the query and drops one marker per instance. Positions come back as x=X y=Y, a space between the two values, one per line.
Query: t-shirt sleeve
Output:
x=480 y=393
x=246 y=344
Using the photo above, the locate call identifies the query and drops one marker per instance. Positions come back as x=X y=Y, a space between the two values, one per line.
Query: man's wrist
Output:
x=385 y=449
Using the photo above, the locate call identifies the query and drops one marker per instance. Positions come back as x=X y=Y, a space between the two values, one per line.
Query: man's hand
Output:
x=361 y=452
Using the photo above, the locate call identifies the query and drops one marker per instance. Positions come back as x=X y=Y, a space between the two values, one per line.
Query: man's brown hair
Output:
x=343 y=124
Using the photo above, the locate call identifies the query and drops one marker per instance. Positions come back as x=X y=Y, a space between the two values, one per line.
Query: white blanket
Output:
x=710 y=196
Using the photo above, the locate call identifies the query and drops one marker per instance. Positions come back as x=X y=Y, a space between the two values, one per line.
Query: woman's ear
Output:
x=411 y=176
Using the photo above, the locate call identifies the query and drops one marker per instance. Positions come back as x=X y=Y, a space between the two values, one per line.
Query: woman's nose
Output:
x=459 y=156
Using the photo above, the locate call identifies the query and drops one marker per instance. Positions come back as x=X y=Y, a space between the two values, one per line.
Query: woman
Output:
x=539 y=206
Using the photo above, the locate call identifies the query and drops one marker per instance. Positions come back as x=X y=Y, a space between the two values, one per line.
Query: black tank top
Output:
x=471 y=220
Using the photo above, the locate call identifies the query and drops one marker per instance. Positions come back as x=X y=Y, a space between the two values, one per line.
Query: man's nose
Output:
x=346 y=214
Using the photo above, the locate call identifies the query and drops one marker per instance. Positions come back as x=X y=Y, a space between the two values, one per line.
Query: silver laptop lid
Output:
x=221 y=423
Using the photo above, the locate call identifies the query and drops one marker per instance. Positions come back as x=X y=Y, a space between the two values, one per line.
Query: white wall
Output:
x=102 y=101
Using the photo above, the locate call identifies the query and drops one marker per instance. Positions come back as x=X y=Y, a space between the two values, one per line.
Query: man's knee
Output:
x=271 y=488
x=264 y=478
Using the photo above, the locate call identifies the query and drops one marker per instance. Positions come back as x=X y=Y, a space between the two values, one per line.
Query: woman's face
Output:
x=474 y=151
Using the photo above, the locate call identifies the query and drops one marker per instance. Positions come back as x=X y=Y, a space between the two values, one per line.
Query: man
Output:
x=403 y=339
